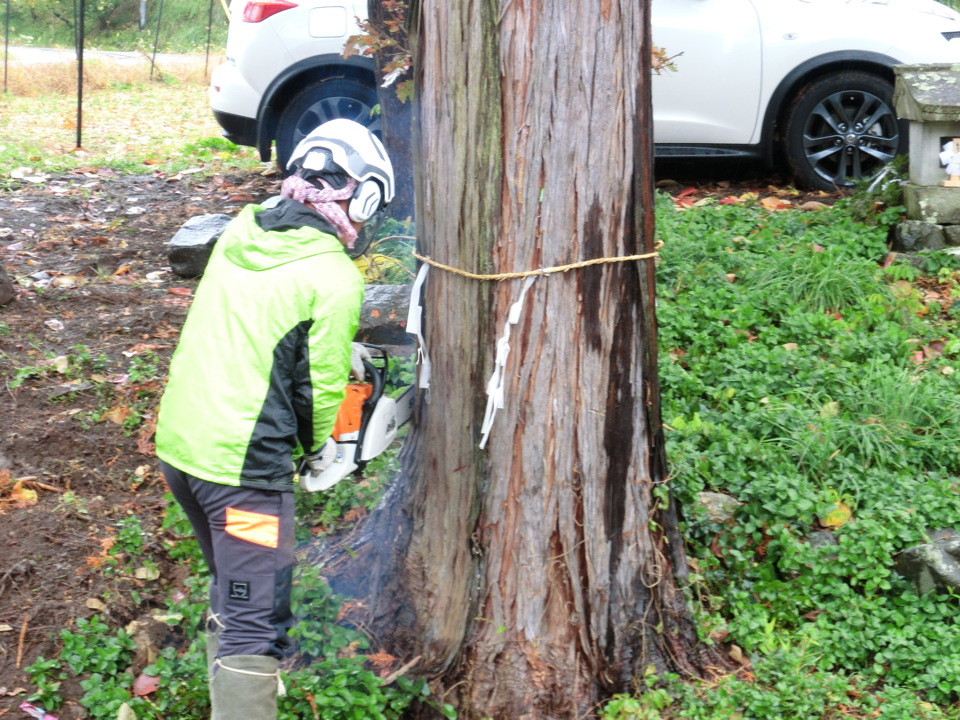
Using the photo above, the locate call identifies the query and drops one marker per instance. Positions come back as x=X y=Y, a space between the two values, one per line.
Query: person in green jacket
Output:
x=255 y=383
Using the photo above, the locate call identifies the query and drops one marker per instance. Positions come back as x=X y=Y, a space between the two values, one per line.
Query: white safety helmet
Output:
x=344 y=146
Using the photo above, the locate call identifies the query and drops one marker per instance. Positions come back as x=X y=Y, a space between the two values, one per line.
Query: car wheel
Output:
x=840 y=129
x=339 y=97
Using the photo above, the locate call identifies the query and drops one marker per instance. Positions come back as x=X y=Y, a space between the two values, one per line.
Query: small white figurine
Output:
x=951 y=158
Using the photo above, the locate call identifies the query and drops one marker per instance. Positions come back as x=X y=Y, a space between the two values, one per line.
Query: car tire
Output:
x=339 y=97
x=842 y=128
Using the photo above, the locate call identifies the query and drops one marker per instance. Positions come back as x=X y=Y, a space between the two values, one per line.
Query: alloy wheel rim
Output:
x=850 y=135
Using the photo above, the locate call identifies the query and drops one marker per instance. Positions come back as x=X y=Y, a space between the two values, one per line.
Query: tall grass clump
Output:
x=825 y=406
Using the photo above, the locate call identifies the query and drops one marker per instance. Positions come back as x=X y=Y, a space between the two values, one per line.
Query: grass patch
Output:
x=129 y=123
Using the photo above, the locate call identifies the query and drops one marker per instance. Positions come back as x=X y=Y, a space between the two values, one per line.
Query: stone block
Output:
x=719 y=507
x=189 y=250
x=915 y=235
x=951 y=235
x=937 y=205
x=933 y=565
x=7 y=291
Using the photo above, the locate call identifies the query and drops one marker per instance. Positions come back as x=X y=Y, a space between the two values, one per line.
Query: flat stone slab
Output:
x=932 y=204
x=927 y=93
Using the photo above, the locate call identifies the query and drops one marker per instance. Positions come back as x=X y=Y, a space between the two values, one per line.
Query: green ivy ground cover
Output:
x=817 y=389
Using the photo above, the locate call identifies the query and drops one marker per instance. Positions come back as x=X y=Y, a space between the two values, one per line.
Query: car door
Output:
x=713 y=97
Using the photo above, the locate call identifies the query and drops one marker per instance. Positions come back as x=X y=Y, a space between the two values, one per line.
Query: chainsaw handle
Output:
x=376 y=379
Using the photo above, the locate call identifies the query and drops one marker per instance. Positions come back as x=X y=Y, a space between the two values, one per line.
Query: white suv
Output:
x=806 y=82
x=285 y=74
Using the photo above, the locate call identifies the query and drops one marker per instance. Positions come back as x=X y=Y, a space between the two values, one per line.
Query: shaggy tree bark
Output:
x=536 y=576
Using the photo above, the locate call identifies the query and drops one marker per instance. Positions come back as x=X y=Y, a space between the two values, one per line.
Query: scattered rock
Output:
x=189 y=249
x=822 y=538
x=914 y=235
x=720 y=508
x=7 y=291
x=933 y=565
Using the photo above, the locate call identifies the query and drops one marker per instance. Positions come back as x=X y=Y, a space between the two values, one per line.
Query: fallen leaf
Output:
x=180 y=291
x=23 y=495
x=838 y=516
x=35 y=711
x=934 y=349
x=95 y=604
x=242 y=197
x=61 y=363
x=812 y=205
x=67 y=281
x=381 y=660
x=145 y=684
x=774 y=203
x=790 y=346
x=5 y=628
x=117 y=414
x=145 y=573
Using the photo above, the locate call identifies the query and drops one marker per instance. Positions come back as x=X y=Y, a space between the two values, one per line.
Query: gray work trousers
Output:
x=247 y=538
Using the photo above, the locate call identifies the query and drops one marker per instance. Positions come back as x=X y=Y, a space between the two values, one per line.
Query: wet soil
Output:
x=84 y=348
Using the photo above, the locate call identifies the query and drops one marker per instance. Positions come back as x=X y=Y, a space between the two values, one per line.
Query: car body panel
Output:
x=259 y=53
x=718 y=43
x=788 y=34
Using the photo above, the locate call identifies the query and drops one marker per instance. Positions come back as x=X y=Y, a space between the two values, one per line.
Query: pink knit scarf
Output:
x=324 y=202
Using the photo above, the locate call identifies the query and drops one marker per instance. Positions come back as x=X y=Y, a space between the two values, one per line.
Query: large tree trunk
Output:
x=539 y=574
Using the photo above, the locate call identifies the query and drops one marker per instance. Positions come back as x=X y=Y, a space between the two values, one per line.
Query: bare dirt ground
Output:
x=83 y=354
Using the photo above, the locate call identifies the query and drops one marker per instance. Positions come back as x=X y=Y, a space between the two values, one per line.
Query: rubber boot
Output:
x=244 y=687
x=212 y=634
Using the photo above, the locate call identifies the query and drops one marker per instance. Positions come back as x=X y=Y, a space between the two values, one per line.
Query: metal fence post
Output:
x=79 y=19
x=156 y=39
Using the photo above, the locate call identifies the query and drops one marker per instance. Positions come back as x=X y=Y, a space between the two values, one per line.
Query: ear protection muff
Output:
x=366 y=200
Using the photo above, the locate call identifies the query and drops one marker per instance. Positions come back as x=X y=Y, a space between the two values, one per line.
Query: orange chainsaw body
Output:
x=350 y=414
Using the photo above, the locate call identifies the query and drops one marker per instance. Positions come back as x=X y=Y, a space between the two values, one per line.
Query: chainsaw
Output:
x=367 y=422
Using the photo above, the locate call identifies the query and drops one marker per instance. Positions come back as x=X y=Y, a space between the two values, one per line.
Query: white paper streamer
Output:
x=415 y=327
x=495 y=391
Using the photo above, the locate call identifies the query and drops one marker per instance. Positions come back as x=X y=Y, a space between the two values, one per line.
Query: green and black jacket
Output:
x=264 y=356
